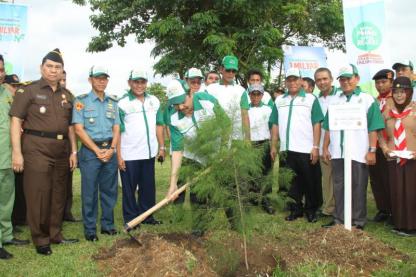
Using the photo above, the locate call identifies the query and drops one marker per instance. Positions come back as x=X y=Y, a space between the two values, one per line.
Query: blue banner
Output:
x=13 y=31
x=306 y=59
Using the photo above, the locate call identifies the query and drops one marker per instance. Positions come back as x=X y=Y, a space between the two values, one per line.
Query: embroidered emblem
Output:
x=79 y=106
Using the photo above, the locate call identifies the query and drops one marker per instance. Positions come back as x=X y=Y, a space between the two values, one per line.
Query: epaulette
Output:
x=82 y=96
x=26 y=83
x=113 y=97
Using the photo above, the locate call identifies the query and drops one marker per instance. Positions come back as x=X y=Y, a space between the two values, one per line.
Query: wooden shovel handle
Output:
x=136 y=221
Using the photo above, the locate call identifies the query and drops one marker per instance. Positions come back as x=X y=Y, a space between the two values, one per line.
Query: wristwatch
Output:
x=372 y=149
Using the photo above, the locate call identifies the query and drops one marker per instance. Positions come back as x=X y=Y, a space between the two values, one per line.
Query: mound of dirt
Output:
x=174 y=254
x=353 y=251
x=157 y=257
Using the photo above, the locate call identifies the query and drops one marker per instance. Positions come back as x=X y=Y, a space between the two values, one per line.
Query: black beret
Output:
x=384 y=74
x=12 y=79
x=402 y=82
x=54 y=55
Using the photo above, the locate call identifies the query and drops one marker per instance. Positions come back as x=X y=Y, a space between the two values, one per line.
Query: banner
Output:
x=365 y=37
x=13 y=30
x=306 y=59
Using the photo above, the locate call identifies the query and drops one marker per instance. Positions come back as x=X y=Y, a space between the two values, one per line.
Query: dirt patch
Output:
x=174 y=254
x=354 y=252
x=157 y=257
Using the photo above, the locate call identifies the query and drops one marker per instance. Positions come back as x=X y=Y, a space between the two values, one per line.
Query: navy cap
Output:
x=384 y=74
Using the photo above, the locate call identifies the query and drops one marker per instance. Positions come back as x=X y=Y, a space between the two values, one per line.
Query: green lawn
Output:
x=75 y=260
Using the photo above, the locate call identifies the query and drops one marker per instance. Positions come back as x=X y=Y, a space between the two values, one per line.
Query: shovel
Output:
x=136 y=221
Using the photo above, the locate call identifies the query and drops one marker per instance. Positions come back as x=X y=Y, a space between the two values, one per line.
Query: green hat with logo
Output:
x=230 y=62
x=194 y=73
x=347 y=71
x=138 y=74
x=98 y=70
x=403 y=63
x=176 y=92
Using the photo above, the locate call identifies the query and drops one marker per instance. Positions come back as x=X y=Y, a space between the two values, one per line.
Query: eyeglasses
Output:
x=231 y=70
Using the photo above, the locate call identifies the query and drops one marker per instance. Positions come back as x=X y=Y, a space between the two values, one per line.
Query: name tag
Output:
x=41 y=96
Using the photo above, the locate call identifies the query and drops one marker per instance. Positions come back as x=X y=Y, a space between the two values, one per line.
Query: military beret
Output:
x=384 y=74
x=12 y=79
x=54 y=55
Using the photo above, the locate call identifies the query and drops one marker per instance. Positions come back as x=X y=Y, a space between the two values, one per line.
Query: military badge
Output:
x=79 y=106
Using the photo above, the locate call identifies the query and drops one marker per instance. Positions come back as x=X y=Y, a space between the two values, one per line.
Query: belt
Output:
x=103 y=143
x=45 y=134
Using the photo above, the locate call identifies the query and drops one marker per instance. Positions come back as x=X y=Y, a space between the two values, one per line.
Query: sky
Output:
x=64 y=25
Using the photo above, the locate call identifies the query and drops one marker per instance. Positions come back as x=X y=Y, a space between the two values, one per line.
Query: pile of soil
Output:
x=176 y=254
x=354 y=252
x=156 y=257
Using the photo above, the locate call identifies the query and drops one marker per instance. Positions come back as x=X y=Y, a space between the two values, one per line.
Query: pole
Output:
x=347 y=179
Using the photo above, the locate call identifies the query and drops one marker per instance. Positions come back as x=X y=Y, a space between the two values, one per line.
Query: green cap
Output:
x=98 y=70
x=176 y=92
x=138 y=74
x=230 y=62
x=347 y=71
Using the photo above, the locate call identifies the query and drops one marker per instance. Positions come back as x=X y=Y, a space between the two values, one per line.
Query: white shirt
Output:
x=324 y=103
x=259 y=122
x=138 y=127
x=359 y=137
x=229 y=98
x=296 y=117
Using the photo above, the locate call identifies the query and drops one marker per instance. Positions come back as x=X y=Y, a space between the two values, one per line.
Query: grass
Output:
x=75 y=260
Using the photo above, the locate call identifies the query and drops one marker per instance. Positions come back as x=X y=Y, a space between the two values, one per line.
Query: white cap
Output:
x=137 y=74
x=98 y=70
x=295 y=72
x=193 y=73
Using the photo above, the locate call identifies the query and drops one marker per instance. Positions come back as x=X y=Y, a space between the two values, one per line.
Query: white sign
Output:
x=347 y=117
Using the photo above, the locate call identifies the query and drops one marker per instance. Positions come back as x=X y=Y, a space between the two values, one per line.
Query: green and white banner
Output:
x=366 y=41
x=13 y=30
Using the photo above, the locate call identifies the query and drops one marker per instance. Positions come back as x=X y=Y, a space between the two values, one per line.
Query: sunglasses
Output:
x=231 y=70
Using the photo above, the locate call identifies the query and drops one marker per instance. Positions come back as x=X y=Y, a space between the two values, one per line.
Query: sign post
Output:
x=346 y=118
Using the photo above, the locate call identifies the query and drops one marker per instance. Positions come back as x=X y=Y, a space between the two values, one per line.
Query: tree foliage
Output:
x=198 y=33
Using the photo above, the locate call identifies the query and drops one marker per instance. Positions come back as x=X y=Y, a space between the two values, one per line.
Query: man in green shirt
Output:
x=6 y=171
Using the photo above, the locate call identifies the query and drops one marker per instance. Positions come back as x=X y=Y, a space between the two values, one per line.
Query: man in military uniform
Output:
x=6 y=171
x=19 y=208
x=43 y=109
x=97 y=124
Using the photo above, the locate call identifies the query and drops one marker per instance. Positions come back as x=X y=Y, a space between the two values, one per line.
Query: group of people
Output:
x=41 y=123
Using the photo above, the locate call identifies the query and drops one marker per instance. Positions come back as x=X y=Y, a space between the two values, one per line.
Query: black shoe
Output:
x=359 y=227
x=406 y=233
x=267 y=207
x=66 y=241
x=152 y=221
x=44 y=250
x=17 y=229
x=311 y=217
x=381 y=216
x=329 y=225
x=110 y=232
x=4 y=255
x=71 y=218
x=293 y=215
x=16 y=242
x=91 y=237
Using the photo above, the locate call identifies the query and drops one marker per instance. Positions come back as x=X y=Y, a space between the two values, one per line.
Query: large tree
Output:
x=198 y=33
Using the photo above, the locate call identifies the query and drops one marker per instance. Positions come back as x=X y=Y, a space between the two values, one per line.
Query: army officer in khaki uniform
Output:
x=43 y=110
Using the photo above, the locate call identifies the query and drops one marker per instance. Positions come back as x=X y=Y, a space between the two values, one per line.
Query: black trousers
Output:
x=267 y=164
x=303 y=184
x=19 y=208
